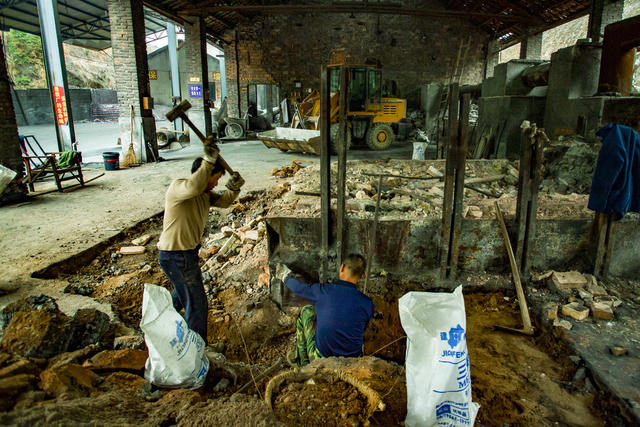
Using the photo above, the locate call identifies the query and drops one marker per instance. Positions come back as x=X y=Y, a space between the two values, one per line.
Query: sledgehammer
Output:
x=179 y=112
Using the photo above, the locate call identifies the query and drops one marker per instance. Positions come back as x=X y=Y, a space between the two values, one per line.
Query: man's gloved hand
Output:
x=283 y=272
x=210 y=150
x=236 y=182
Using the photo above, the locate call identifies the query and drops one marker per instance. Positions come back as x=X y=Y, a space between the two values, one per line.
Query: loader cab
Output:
x=365 y=88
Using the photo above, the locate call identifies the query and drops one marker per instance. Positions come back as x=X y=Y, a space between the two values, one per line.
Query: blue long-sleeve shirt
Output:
x=616 y=180
x=342 y=314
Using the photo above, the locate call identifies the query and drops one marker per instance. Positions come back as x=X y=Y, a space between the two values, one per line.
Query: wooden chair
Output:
x=40 y=164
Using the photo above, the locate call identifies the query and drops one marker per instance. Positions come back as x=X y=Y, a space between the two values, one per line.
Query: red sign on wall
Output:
x=216 y=76
x=153 y=74
x=61 y=105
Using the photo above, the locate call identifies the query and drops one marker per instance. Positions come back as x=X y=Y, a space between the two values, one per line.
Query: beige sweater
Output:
x=186 y=210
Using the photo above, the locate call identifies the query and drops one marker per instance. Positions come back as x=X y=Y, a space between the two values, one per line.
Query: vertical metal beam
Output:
x=531 y=158
x=454 y=182
x=175 y=71
x=595 y=20
x=325 y=171
x=342 y=163
x=56 y=74
x=235 y=47
x=204 y=63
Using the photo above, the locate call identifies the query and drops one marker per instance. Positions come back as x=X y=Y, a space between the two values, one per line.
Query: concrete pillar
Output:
x=132 y=76
x=603 y=13
x=492 y=59
x=531 y=46
x=56 y=74
x=10 y=155
x=196 y=87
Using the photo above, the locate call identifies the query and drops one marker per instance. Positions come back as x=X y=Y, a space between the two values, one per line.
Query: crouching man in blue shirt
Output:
x=334 y=325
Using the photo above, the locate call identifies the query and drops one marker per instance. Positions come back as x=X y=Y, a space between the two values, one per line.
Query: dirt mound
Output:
x=318 y=403
x=512 y=376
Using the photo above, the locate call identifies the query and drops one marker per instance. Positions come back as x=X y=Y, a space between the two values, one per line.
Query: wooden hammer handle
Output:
x=200 y=135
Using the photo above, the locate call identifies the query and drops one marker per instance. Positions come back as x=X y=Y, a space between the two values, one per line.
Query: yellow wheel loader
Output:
x=370 y=117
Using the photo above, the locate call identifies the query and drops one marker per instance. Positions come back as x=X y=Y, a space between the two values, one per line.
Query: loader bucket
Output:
x=305 y=141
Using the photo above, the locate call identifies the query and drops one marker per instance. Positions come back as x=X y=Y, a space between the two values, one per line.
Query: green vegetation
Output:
x=24 y=59
x=85 y=68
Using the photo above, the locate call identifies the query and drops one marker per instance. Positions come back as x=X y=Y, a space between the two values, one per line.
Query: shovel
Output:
x=524 y=310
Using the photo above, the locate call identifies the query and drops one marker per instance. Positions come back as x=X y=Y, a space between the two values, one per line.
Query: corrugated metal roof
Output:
x=82 y=22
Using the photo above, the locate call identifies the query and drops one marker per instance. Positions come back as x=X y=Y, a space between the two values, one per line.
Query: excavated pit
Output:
x=517 y=379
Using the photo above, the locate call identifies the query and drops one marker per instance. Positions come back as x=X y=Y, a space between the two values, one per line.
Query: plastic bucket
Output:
x=111 y=160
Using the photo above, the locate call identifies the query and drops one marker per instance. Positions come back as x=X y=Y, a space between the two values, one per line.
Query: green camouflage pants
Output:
x=305 y=351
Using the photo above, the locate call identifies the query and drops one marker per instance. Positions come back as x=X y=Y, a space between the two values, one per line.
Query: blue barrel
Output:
x=111 y=160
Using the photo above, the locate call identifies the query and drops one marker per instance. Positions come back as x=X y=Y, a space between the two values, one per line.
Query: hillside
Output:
x=85 y=68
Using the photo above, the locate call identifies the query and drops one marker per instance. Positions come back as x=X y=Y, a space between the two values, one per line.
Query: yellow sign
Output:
x=194 y=79
x=215 y=76
x=153 y=74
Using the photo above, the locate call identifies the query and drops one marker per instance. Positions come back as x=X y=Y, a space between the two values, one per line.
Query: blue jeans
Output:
x=181 y=267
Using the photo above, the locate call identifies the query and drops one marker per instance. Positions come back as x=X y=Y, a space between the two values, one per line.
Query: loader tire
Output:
x=335 y=129
x=234 y=130
x=380 y=136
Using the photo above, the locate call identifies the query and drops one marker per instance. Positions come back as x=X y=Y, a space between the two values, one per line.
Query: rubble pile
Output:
x=569 y=165
x=575 y=296
x=485 y=182
x=287 y=171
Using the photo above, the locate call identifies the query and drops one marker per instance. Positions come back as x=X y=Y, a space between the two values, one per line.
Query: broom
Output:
x=130 y=158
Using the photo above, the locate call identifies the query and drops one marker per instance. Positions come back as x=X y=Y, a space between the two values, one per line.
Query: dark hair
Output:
x=217 y=167
x=356 y=264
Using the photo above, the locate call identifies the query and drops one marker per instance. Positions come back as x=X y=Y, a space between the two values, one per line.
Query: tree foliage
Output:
x=24 y=59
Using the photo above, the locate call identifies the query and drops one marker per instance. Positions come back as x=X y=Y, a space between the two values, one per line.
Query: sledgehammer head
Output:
x=178 y=110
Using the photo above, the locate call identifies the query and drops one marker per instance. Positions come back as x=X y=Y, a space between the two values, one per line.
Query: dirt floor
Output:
x=517 y=379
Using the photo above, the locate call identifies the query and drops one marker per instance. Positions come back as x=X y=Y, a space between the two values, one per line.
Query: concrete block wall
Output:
x=10 y=155
x=413 y=51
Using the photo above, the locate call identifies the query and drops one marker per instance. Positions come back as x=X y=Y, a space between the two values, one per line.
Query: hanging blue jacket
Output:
x=616 y=181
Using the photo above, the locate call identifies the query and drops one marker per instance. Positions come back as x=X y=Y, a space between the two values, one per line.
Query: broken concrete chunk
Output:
x=593 y=288
x=10 y=386
x=585 y=296
x=36 y=334
x=568 y=280
x=601 y=311
x=71 y=379
x=22 y=366
x=142 y=240
x=132 y=250
x=135 y=342
x=575 y=310
x=551 y=311
x=561 y=323
x=539 y=277
x=226 y=230
x=432 y=171
x=117 y=360
x=230 y=244
x=251 y=235
x=618 y=351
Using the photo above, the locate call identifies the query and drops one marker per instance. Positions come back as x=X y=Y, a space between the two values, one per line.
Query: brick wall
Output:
x=10 y=156
x=130 y=62
x=413 y=51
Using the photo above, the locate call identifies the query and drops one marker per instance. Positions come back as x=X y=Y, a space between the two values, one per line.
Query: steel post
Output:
x=342 y=164
x=175 y=71
x=325 y=172
x=56 y=74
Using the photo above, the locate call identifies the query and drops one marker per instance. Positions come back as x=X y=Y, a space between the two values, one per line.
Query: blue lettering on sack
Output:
x=455 y=337
x=179 y=339
x=452 y=411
